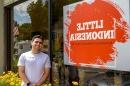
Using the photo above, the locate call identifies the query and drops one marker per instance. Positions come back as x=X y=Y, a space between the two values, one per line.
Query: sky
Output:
x=20 y=12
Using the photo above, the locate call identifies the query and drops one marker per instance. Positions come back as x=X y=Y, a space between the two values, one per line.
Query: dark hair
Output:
x=37 y=36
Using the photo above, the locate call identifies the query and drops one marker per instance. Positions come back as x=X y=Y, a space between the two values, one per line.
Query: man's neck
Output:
x=35 y=51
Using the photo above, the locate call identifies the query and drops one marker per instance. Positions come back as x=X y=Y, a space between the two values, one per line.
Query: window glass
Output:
x=66 y=75
x=61 y=74
x=30 y=18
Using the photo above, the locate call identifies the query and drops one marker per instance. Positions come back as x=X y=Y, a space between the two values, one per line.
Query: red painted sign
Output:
x=92 y=30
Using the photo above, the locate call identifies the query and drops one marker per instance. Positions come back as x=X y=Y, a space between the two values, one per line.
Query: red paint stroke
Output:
x=101 y=51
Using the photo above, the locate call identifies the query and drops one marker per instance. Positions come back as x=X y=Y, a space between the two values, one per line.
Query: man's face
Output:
x=37 y=44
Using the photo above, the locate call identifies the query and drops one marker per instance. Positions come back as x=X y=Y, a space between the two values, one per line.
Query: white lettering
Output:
x=109 y=34
x=90 y=25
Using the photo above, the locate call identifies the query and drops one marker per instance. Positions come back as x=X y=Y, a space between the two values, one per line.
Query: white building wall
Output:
x=8 y=2
x=1 y=37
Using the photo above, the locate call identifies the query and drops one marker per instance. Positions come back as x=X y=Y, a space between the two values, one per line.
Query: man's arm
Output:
x=44 y=77
x=21 y=70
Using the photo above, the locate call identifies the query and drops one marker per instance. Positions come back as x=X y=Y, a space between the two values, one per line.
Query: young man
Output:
x=34 y=65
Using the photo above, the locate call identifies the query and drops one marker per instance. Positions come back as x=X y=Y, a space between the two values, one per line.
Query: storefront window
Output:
x=68 y=75
x=30 y=18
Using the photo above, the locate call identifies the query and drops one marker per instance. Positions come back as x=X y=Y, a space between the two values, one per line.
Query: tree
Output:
x=38 y=12
x=25 y=31
x=57 y=8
